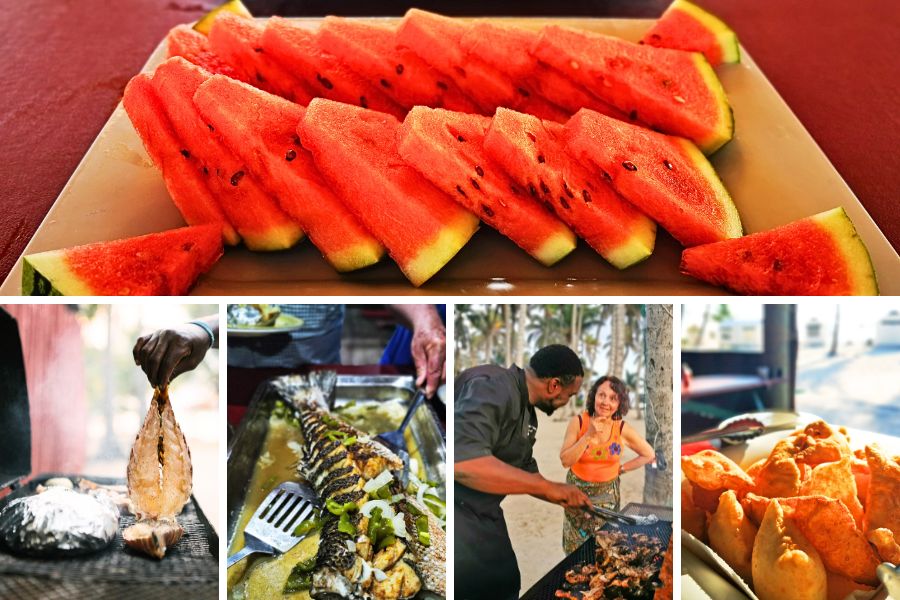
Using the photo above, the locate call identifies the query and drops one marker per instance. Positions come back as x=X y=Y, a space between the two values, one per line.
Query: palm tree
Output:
x=658 y=481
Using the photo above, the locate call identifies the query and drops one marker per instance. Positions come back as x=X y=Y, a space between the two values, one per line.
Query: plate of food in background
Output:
x=255 y=320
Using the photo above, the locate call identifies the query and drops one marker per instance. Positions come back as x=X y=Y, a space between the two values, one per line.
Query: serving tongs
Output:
x=396 y=442
x=737 y=431
x=627 y=519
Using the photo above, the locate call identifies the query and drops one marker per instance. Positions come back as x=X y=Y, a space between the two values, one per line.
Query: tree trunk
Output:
x=658 y=481
x=698 y=342
x=837 y=325
x=520 y=336
x=780 y=351
x=617 y=344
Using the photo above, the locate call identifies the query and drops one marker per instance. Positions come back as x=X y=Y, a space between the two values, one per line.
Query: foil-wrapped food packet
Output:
x=59 y=522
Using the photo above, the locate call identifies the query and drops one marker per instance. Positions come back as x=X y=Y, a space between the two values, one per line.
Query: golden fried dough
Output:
x=713 y=470
x=839 y=587
x=779 y=476
x=731 y=535
x=784 y=563
x=835 y=480
x=819 y=442
x=693 y=519
x=887 y=546
x=883 y=499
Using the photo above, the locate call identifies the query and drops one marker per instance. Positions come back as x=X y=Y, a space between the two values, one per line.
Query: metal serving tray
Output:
x=247 y=443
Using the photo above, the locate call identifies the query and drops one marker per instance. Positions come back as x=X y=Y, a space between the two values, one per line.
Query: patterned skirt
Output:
x=579 y=525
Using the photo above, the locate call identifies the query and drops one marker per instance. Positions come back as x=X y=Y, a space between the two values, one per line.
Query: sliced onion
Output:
x=396 y=498
x=399 y=526
x=420 y=493
x=366 y=572
x=387 y=511
x=378 y=482
x=379 y=574
x=351 y=546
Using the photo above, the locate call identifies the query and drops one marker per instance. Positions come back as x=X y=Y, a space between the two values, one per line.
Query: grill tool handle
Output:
x=252 y=546
x=611 y=514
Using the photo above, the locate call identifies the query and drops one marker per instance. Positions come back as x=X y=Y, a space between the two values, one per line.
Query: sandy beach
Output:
x=535 y=527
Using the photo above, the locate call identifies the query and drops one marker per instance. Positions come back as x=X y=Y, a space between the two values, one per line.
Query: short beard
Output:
x=545 y=406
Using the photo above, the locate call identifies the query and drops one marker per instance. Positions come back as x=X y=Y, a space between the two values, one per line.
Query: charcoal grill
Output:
x=545 y=588
x=190 y=568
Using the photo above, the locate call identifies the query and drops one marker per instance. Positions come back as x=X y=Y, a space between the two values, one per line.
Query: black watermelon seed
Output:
x=479 y=170
x=297 y=140
x=399 y=69
x=487 y=210
x=777 y=266
x=564 y=203
x=385 y=83
x=606 y=175
x=746 y=255
x=461 y=191
x=586 y=195
x=514 y=190
x=205 y=171
x=442 y=85
x=668 y=165
x=324 y=81
x=211 y=128
x=475 y=184
x=629 y=166
x=363 y=102
x=236 y=177
x=655 y=37
x=666 y=82
x=291 y=155
x=257 y=49
x=567 y=190
x=524 y=92
x=185 y=153
x=544 y=187
x=260 y=78
x=460 y=138
x=633 y=115
x=532 y=190
x=541 y=158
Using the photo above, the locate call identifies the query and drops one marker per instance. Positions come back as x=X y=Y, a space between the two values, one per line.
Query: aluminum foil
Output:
x=59 y=522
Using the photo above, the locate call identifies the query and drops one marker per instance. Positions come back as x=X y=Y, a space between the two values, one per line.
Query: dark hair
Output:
x=557 y=361
x=618 y=386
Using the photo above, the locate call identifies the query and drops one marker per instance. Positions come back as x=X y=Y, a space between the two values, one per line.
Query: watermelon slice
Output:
x=356 y=151
x=237 y=41
x=254 y=213
x=447 y=148
x=674 y=91
x=507 y=49
x=666 y=177
x=262 y=130
x=533 y=152
x=182 y=172
x=370 y=51
x=437 y=39
x=821 y=255
x=193 y=46
x=686 y=26
x=159 y=264
x=295 y=48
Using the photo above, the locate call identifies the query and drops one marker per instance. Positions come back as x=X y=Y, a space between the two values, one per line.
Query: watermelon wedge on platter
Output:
x=157 y=264
x=821 y=255
x=261 y=129
x=686 y=26
x=193 y=46
x=355 y=149
x=447 y=148
x=117 y=192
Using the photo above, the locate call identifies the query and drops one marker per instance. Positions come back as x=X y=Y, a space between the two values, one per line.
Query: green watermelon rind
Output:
x=46 y=274
x=725 y=132
x=728 y=41
x=731 y=223
x=853 y=248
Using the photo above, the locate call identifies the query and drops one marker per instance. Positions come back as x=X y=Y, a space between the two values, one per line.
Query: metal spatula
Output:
x=271 y=529
x=395 y=441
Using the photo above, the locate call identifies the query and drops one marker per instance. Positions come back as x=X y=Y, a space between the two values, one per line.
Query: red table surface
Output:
x=64 y=66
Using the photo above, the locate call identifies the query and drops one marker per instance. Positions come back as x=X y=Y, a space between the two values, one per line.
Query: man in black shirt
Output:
x=495 y=426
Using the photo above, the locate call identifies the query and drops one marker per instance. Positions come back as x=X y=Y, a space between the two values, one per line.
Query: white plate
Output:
x=773 y=168
x=283 y=324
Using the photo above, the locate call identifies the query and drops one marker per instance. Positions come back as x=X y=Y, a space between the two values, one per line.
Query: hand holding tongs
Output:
x=395 y=441
x=627 y=519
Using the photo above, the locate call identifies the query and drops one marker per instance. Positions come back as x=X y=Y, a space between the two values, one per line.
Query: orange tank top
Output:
x=599 y=463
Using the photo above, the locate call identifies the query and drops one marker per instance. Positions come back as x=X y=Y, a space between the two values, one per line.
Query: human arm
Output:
x=428 y=346
x=645 y=453
x=573 y=446
x=167 y=353
x=493 y=476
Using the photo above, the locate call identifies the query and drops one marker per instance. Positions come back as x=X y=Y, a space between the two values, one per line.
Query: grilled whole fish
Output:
x=159 y=479
x=347 y=566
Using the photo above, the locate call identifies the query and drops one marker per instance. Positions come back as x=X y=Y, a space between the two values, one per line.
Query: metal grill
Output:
x=545 y=589
x=190 y=567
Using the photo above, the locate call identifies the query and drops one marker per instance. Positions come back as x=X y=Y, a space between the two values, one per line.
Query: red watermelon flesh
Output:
x=508 y=49
x=686 y=26
x=674 y=91
x=158 y=264
x=356 y=151
x=182 y=172
x=666 y=177
x=295 y=48
x=447 y=148
x=193 y=46
x=821 y=255
x=437 y=39
x=533 y=153
x=370 y=51
x=254 y=213
x=237 y=40
x=262 y=130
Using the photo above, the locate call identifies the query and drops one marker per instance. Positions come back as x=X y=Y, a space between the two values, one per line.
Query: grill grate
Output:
x=190 y=567
x=545 y=589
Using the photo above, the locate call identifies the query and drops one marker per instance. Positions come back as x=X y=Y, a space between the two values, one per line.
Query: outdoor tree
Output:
x=658 y=377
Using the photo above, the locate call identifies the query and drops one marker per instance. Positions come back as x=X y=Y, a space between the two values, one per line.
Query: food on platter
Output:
x=159 y=479
x=665 y=576
x=59 y=521
x=820 y=255
x=804 y=501
x=252 y=315
x=627 y=565
x=158 y=264
x=686 y=26
x=785 y=564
